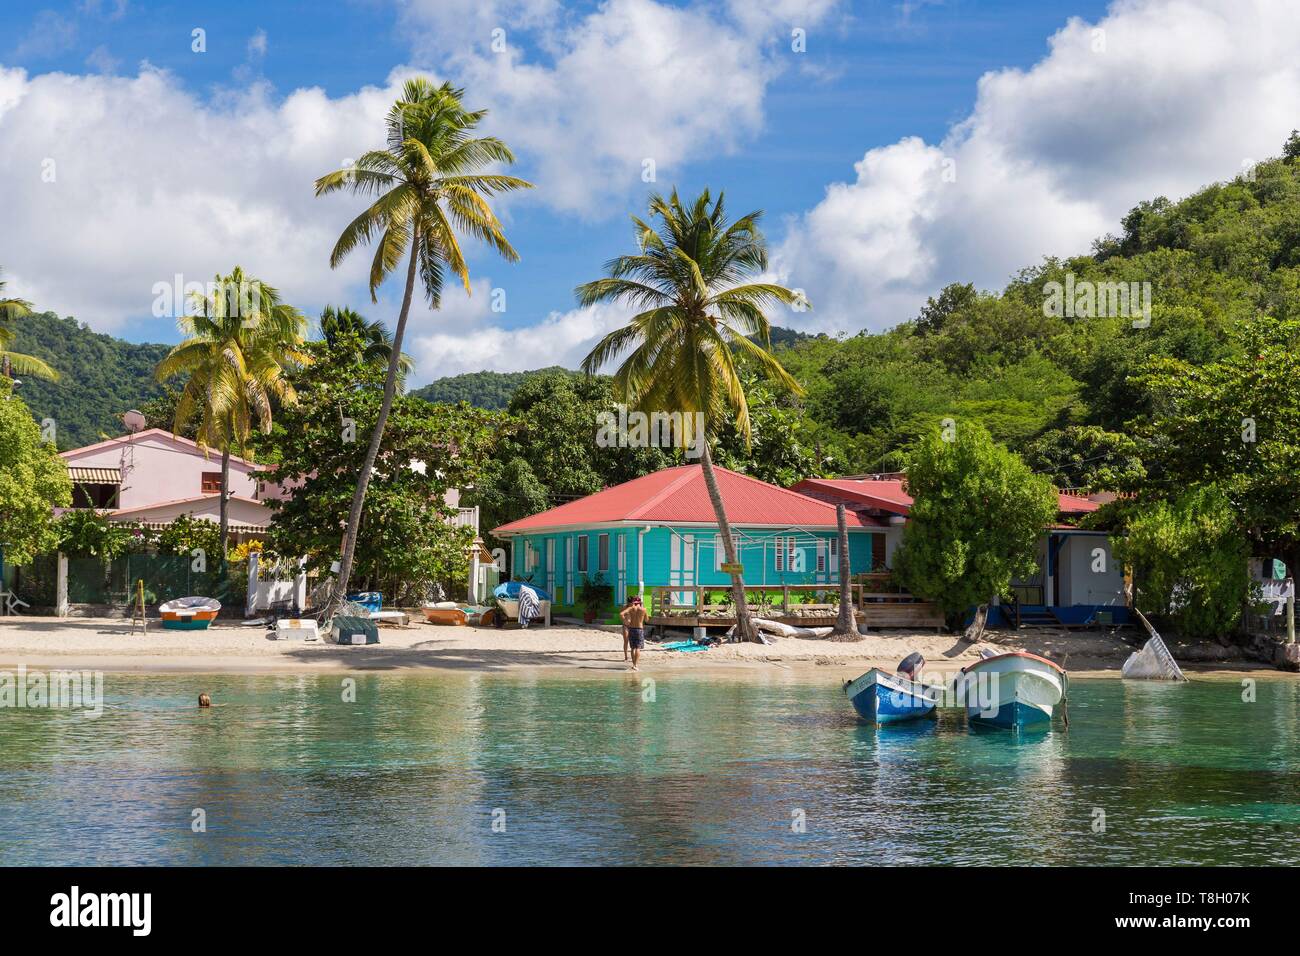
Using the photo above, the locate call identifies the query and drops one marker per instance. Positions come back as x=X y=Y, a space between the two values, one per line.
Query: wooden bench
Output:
x=897 y=614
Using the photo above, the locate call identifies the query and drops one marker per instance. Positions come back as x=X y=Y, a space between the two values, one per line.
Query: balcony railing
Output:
x=466 y=518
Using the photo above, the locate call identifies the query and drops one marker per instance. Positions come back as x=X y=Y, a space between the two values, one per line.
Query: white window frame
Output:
x=602 y=553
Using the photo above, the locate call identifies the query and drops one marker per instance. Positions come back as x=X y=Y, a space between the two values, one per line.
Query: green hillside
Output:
x=490 y=390
x=100 y=376
x=493 y=390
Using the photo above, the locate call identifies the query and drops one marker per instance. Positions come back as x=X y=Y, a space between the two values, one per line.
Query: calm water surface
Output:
x=587 y=772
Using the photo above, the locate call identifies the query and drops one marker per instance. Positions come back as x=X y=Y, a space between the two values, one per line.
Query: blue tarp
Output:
x=511 y=590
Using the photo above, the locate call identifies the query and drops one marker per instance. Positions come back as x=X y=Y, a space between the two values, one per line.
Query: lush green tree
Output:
x=1189 y=561
x=977 y=514
x=429 y=189
x=187 y=534
x=1235 y=423
x=507 y=491
x=33 y=481
x=377 y=341
x=85 y=532
x=784 y=444
x=1086 y=456
x=699 y=313
x=953 y=300
x=239 y=341
x=548 y=451
x=407 y=539
x=10 y=362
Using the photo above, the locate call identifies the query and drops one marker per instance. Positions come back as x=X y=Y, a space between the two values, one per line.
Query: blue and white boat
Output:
x=885 y=698
x=1014 y=690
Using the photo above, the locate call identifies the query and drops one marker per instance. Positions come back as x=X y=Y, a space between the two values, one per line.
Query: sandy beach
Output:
x=109 y=645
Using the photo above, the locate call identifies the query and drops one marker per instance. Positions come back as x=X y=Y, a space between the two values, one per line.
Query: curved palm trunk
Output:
x=376 y=436
x=744 y=625
x=225 y=500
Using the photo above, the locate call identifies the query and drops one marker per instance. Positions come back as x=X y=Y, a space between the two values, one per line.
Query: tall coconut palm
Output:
x=428 y=187
x=699 y=314
x=11 y=362
x=377 y=341
x=240 y=341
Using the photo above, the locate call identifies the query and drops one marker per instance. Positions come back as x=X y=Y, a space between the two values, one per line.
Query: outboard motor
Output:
x=910 y=666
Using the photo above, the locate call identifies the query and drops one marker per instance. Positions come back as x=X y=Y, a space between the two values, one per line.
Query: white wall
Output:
x=1080 y=584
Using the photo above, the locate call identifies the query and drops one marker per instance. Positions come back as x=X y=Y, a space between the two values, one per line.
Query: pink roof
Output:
x=888 y=494
x=161 y=432
x=679 y=495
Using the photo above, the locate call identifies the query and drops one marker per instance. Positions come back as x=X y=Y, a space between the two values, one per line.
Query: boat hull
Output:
x=883 y=698
x=182 y=621
x=1013 y=691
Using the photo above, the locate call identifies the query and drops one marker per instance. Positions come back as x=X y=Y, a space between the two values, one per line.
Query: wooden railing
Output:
x=877 y=602
x=697 y=600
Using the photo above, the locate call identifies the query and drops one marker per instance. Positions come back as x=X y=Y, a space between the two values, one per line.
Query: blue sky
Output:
x=208 y=158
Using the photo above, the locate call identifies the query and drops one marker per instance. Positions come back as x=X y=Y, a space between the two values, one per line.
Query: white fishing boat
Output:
x=1014 y=689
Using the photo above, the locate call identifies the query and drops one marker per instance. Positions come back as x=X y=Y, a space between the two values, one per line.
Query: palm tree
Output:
x=239 y=342
x=428 y=186
x=377 y=341
x=11 y=362
x=698 y=315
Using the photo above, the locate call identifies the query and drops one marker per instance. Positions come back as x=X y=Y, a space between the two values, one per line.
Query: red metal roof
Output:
x=885 y=494
x=679 y=495
x=888 y=494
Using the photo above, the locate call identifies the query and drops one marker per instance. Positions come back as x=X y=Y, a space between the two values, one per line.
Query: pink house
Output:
x=153 y=477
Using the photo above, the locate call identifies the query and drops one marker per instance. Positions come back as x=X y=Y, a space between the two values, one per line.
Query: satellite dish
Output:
x=133 y=420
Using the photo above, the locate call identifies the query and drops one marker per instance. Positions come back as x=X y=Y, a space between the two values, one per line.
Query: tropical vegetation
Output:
x=33 y=480
x=977 y=516
x=429 y=188
x=10 y=362
x=409 y=544
x=693 y=282
x=240 y=338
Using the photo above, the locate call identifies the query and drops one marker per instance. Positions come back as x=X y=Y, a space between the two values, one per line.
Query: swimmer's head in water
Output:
x=205 y=700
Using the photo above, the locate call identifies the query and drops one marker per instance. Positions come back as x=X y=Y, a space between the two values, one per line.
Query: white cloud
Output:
x=173 y=184
x=634 y=82
x=1051 y=157
x=462 y=337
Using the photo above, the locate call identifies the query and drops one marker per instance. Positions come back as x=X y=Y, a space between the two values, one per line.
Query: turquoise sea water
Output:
x=419 y=767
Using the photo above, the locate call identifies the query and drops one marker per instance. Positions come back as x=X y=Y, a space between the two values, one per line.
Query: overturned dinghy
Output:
x=189 y=613
x=1153 y=662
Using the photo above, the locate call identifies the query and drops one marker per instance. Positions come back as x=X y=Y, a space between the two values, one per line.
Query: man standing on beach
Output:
x=634 y=621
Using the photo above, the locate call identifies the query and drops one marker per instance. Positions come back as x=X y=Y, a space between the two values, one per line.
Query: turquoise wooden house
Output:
x=659 y=531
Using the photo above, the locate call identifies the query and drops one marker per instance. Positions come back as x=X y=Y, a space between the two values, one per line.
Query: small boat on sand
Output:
x=1014 y=689
x=445 y=613
x=189 y=613
x=884 y=698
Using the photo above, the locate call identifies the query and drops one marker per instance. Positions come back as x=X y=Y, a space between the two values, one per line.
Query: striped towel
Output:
x=529 y=608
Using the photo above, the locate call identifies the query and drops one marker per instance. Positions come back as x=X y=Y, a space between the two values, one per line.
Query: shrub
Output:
x=1188 y=558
